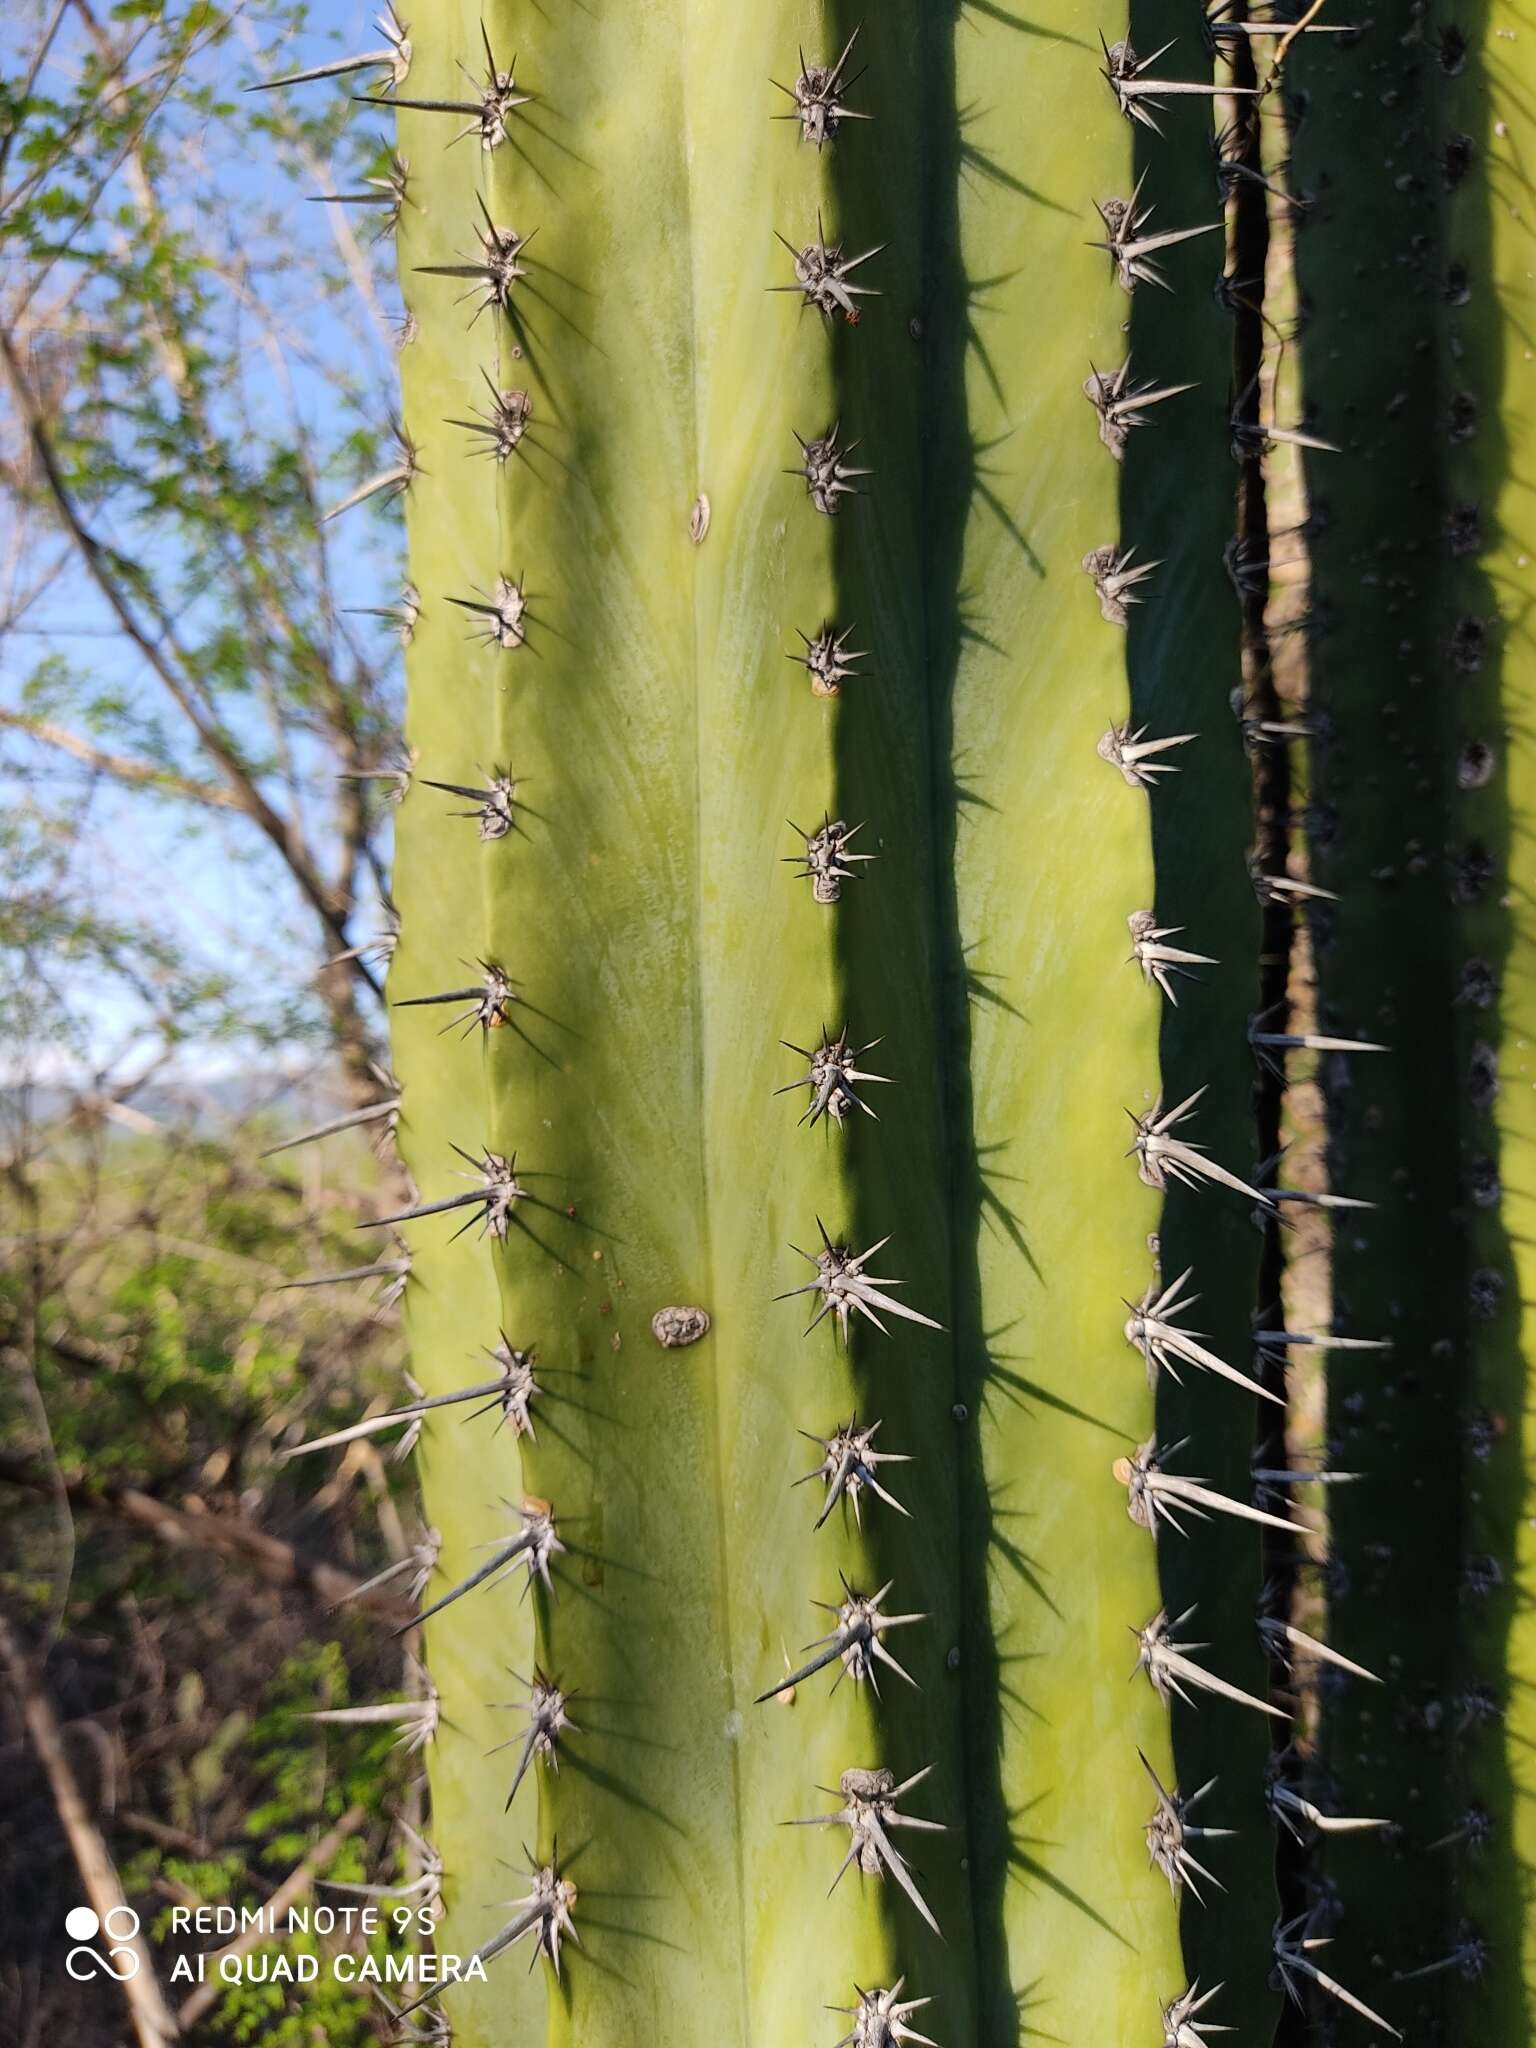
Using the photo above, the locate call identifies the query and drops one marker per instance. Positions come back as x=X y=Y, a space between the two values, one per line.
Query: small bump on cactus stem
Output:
x=677 y=1327
x=490 y=1002
x=495 y=808
x=1125 y=74
x=498 y=97
x=1157 y=961
x=1180 y=2027
x=389 y=1110
x=397 y=478
x=829 y=659
x=535 y=1544
x=1469 y=1959
x=850 y=1464
x=1160 y=1340
x=498 y=270
x=855 y=1642
x=501 y=429
x=818 y=96
x=1285 y=888
x=825 y=470
x=1169 y=1669
x=545 y=1914
x=496 y=1198
x=699 y=517
x=547 y=1721
x=428 y=1887
x=1169 y=1834
x=1292 y=1960
x=404 y=615
x=390 y=192
x=880 y=2019
x=395 y=58
x=504 y=610
x=868 y=1810
x=825 y=863
x=1161 y=1157
x=1133 y=755
x=1115 y=580
x=1155 y=1495
x=847 y=1290
x=822 y=274
x=1129 y=250
x=1120 y=404
x=830 y=1077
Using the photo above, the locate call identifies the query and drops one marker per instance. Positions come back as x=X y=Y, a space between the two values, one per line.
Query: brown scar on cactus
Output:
x=676 y=1328
x=394 y=58
x=818 y=96
x=1129 y=250
x=846 y=1290
x=855 y=1643
x=849 y=1464
x=828 y=659
x=830 y=1077
x=497 y=98
x=1126 y=76
x=868 y=1811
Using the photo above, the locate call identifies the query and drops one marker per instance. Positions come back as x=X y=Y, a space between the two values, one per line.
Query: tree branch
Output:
x=122 y=766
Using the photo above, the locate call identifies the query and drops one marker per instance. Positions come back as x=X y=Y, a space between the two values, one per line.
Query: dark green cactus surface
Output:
x=851 y=806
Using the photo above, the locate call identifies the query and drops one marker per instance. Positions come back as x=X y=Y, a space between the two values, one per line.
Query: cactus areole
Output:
x=837 y=1249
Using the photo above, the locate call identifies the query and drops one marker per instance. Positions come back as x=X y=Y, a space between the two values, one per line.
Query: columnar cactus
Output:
x=829 y=834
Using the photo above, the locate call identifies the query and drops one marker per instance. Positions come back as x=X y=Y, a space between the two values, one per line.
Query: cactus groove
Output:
x=836 y=895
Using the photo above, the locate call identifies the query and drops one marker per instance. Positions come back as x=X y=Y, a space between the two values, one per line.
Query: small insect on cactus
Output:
x=779 y=327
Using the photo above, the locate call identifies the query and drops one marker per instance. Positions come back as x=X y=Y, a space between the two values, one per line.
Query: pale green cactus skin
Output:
x=660 y=739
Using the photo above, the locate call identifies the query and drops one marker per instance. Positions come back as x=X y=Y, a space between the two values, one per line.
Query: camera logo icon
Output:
x=117 y=1928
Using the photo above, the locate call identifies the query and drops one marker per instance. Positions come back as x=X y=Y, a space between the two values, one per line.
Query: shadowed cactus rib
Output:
x=1421 y=679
